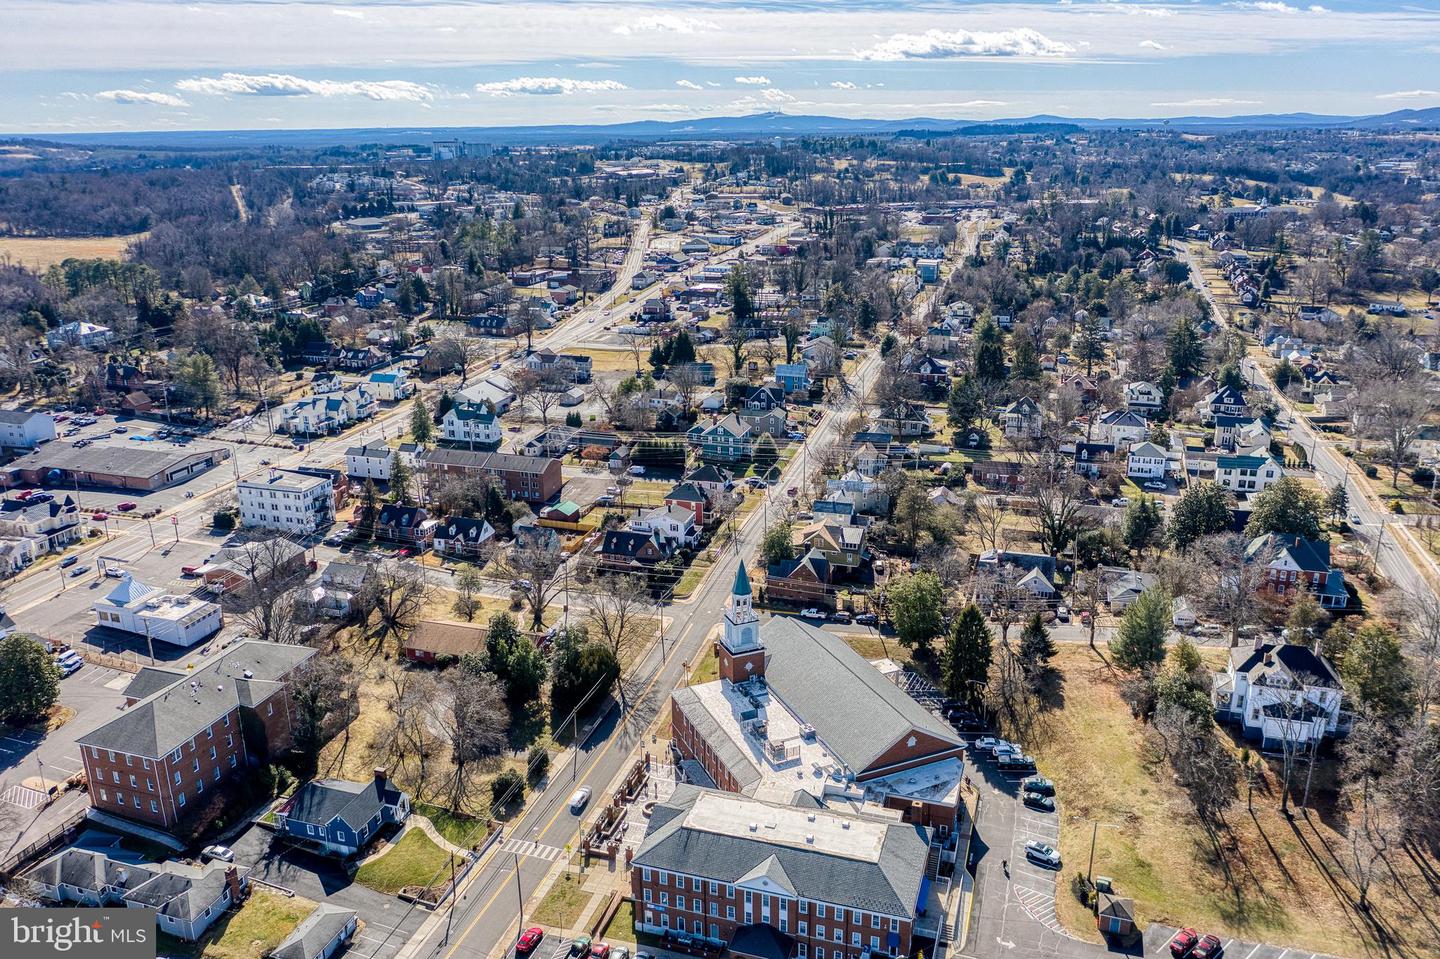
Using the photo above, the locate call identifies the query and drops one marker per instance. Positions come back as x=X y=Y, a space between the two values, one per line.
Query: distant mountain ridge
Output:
x=753 y=126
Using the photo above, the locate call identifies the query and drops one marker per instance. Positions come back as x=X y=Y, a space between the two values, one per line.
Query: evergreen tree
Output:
x=1142 y=523
x=963 y=406
x=1037 y=649
x=1026 y=364
x=1203 y=509
x=400 y=479
x=965 y=661
x=766 y=452
x=1140 y=641
x=682 y=349
x=422 y=427
x=1378 y=678
x=444 y=404
x=1089 y=342
x=29 y=679
x=742 y=305
x=369 y=508
x=989 y=350
x=1285 y=507
x=1337 y=501
x=916 y=602
x=1187 y=353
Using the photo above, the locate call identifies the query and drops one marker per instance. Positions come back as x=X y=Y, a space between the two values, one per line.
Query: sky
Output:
x=71 y=66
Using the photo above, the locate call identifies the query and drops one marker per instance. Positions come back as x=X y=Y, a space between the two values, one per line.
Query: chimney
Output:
x=381 y=775
x=232 y=882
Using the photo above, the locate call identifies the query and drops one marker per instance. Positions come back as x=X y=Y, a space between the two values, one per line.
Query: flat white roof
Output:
x=729 y=814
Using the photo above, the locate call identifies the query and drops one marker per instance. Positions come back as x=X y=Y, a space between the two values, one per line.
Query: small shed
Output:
x=1114 y=915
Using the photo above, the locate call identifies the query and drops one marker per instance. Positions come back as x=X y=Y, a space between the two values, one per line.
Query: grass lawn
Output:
x=622 y=924
x=1261 y=877
x=462 y=830
x=414 y=861
x=245 y=933
x=706 y=670
x=563 y=904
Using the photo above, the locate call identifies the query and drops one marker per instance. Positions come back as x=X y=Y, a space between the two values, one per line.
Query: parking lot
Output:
x=1157 y=944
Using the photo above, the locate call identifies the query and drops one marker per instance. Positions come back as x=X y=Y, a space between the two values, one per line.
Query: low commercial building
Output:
x=25 y=429
x=288 y=500
x=149 y=611
x=138 y=466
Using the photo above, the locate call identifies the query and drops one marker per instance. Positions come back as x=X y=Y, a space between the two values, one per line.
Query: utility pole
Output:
x=151 y=527
x=519 y=897
x=454 y=892
x=43 y=788
x=1090 y=869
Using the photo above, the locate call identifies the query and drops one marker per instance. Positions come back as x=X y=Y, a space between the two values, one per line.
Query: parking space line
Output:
x=1257 y=949
x=1282 y=954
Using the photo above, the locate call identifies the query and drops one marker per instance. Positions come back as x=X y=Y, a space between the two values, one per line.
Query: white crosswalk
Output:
x=535 y=850
x=23 y=796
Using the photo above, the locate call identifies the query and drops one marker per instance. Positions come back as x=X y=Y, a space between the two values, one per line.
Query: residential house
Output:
x=462 y=537
x=408 y=525
x=340 y=584
x=253 y=564
x=559 y=367
x=1091 y=458
x=1226 y=401
x=1022 y=418
x=1146 y=462
x=471 y=425
x=1144 y=398
x=529 y=534
x=288 y=500
x=904 y=419
x=374 y=460
x=689 y=496
x=321 y=935
x=630 y=550
x=842 y=544
x=156 y=760
x=48 y=527
x=998 y=474
x=1293 y=563
x=867 y=494
x=25 y=429
x=435 y=641
x=1284 y=695
x=1121 y=428
x=1240 y=433
x=89 y=336
x=803 y=581
x=712 y=480
x=929 y=372
x=1246 y=475
x=793 y=377
x=187 y=899
x=494 y=390
x=674 y=525
x=392 y=386
x=339 y=817
x=1123 y=585
x=729 y=440
x=763 y=399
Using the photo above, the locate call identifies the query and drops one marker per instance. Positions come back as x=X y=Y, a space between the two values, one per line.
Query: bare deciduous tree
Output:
x=535 y=572
x=396 y=594
x=1224 y=582
x=471 y=717
x=621 y=618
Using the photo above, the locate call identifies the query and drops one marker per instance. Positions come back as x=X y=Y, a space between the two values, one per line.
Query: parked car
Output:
x=986 y=743
x=620 y=952
x=1355 y=519
x=100 y=517
x=868 y=619
x=189 y=570
x=1062 y=613
x=1120 y=501
x=579 y=798
x=69 y=667
x=1017 y=762
x=1183 y=941
x=217 y=851
x=636 y=470
x=1037 y=801
x=1038 y=785
x=334 y=539
x=1045 y=855
x=528 y=940
x=121 y=429
x=1209 y=947
x=127 y=506
x=580 y=945
x=840 y=616
x=1155 y=485
x=114 y=572
x=600 y=950
x=797 y=436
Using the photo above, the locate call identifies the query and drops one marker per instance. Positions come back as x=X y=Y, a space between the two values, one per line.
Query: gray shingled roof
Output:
x=889 y=886
x=731 y=756
x=315 y=932
x=856 y=712
x=150 y=680
x=321 y=800
x=158 y=724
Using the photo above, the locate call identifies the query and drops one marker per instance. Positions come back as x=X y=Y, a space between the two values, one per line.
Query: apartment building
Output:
x=534 y=479
x=287 y=500
x=183 y=735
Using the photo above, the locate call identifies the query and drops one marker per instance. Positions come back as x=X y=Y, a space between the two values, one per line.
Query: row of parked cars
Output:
x=1036 y=792
x=1189 y=944
x=581 y=947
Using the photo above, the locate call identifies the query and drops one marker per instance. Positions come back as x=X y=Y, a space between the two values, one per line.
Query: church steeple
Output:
x=741 y=654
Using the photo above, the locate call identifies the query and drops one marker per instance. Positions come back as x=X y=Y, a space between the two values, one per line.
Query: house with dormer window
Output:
x=1281 y=694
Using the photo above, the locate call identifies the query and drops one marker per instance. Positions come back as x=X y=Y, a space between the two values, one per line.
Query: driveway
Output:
x=389 y=923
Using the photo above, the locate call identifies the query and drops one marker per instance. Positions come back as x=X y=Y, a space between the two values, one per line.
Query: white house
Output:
x=1147 y=462
x=1144 y=398
x=25 y=429
x=496 y=389
x=1247 y=475
x=373 y=460
x=79 y=333
x=391 y=386
x=1121 y=428
x=148 y=611
x=675 y=525
x=1022 y=418
x=1279 y=693
x=475 y=425
x=287 y=500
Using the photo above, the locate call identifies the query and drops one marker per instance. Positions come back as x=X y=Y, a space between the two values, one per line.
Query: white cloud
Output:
x=547 y=86
x=1206 y=102
x=772 y=95
x=288 y=85
x=1275 y=6
x=666 y=23
x=1408 y=95
x=843 y=85
x=943 y=45
x=1152 y=45
x=132 y=97
x=753 y=81
x=352 y=14
x=688 y=85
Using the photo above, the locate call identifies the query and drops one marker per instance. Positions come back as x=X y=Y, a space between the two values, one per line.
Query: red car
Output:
x=1208 y=948
x=600 y=950
x=126 y=506
x=1183 y=941
x=100 y=517
x=528 y=940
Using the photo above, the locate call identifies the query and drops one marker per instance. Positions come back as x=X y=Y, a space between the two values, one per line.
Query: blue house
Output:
x=793 y=377
x=368 y=298
x=340 y=817
x=727 y=441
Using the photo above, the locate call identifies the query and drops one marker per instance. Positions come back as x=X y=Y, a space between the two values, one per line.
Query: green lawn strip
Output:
x=414 y=861
x=622 y=924
x=563 y=904
x=249 y=932
x=461 y=830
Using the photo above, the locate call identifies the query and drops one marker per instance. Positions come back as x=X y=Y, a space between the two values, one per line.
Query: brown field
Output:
x=39 y=252
x=1260 y=876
